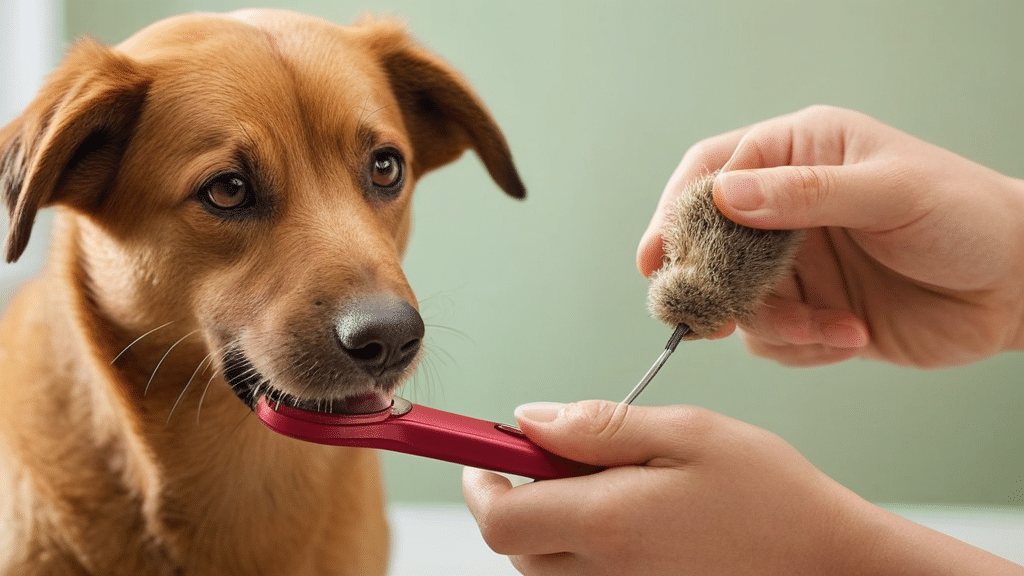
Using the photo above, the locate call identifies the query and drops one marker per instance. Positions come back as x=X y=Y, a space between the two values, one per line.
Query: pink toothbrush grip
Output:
x=424 y=431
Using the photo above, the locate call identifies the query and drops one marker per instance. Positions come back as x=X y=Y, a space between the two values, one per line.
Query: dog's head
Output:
x=248 y=178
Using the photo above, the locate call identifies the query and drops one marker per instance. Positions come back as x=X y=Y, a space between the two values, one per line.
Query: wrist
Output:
x=1016 y=340
x=882 y=543
x=856 y=544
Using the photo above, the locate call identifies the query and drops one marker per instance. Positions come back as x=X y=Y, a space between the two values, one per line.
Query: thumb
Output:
x=857 y=196
x=613 y=434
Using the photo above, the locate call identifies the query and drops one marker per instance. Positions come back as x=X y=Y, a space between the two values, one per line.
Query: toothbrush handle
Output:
x=432 y=433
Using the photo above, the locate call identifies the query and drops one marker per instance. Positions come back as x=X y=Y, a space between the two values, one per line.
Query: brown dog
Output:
x=233 y=200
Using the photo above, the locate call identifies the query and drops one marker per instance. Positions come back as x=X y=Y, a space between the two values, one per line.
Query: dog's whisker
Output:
x=308 y=380
x=309 y=373
x=431 y=373
x=431 y=378
x=247 y=373
x=450 y=330
x=158 y=364
x=136 y=341
x=208 y=358
x=213 y=355
x=206 y=389
x=439 y=351
x=302 y=366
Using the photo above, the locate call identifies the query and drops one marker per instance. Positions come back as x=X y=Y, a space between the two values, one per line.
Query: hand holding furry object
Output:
x=913 y=255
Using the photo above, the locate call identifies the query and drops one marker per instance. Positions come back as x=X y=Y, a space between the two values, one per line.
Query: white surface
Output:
x=442 y=540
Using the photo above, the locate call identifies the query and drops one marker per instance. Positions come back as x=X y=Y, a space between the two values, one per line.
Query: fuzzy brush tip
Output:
x=714 y=269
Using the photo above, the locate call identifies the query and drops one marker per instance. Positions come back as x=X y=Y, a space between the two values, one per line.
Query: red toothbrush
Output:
x=401 y=426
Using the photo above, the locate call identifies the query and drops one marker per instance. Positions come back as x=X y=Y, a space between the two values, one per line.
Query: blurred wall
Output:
x=541 y=300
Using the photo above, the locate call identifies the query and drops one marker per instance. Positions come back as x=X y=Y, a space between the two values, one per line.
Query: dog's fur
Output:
x=123 y=448
x=715 y=270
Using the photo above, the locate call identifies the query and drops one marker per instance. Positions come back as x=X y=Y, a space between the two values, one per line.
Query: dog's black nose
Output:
x=381 y=334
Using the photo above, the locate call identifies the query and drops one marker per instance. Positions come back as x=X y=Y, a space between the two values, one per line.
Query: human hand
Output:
x=914 y=255
x=694 y=492
x=694 y=489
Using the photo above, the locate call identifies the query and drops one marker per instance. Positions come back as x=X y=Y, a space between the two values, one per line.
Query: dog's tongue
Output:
x=362 y=404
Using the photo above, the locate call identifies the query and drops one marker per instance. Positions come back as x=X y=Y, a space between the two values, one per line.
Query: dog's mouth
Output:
x=250 y=385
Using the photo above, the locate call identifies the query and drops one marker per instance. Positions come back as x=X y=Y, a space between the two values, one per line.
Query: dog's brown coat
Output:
x=120 y=467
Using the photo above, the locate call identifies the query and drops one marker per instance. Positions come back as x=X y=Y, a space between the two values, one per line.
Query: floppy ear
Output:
x=66 y=146
x=443 y=114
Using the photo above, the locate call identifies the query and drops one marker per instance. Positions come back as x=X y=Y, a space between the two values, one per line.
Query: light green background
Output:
x=599 y=101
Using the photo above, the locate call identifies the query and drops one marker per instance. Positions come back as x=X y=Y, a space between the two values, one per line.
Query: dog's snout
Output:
x=380 y=334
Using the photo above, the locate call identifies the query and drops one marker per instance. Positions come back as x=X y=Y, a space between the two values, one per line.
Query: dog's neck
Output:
x=209 y=487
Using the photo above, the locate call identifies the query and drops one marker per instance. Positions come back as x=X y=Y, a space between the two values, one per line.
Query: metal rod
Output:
x=673 y=341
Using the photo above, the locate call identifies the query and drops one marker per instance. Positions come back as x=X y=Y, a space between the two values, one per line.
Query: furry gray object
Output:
x=715 y=270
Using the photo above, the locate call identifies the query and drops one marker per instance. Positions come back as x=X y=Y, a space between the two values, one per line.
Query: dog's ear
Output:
x=443 y=114
x=67 y=145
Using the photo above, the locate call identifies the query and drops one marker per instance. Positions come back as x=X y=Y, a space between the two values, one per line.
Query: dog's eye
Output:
x=387 y=171
x=226 y=192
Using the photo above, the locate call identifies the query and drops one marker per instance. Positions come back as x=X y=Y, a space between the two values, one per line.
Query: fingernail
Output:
x=538 y=412
x=741 y=190
x=842 y=335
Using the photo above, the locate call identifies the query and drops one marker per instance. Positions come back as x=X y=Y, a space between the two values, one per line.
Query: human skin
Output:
x=914 y=256
x=690 y=491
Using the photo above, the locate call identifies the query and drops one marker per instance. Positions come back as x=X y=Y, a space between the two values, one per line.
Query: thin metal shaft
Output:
x=673 y=341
